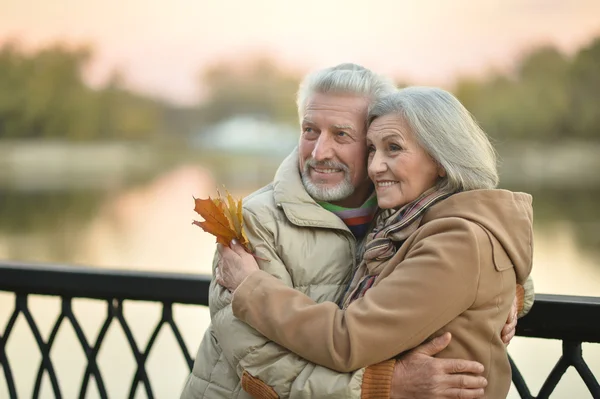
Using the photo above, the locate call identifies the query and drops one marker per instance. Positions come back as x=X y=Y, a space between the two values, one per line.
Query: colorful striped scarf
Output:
x=392 y=228
x=357 y=219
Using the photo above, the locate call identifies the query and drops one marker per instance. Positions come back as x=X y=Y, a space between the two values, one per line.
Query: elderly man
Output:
x=307 y=224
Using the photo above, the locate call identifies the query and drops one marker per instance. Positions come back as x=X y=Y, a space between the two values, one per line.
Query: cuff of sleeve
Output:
x=256 y=388
x=377 y=380
x=527 y=297
x=242 y=294
x=520 y=293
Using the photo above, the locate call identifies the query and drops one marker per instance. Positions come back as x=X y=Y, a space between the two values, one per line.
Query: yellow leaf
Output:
x=223 y=218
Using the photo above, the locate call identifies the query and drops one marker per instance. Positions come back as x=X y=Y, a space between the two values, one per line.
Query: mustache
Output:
x=311 y=163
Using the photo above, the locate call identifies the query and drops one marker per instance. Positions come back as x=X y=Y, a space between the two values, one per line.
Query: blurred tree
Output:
x=43 y=95
x=542 y=95
x=585 y=92
x=549 y=97
x=127 y=115
x=260 y=89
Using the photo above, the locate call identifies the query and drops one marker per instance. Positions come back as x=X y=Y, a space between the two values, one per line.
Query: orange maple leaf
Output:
x=222 y=218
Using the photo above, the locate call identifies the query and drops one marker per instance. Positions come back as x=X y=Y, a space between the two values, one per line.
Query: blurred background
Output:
x=114 y=114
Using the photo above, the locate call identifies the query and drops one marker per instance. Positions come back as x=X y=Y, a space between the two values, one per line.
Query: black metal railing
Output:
x=573 y=320
x=111 y=286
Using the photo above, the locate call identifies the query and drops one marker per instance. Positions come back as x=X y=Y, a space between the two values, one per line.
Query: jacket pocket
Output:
x=501 y=260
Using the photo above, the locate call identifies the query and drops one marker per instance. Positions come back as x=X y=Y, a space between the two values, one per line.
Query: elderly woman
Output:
x=445 y=254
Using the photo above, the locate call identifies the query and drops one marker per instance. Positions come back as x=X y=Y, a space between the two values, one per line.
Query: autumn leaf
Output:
x=222 y=218
x=235 y=215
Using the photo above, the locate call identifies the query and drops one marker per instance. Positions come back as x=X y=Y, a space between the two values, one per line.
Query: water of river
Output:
x=148 y=227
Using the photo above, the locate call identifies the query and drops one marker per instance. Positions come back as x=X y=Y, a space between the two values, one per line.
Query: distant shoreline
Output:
x=59 y=166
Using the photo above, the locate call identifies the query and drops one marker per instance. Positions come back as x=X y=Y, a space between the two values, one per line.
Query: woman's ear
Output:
x=441 y=171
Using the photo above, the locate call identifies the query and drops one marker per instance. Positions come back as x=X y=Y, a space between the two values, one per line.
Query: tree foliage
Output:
x=260 y=89
x=43 y=95
x=549 y=97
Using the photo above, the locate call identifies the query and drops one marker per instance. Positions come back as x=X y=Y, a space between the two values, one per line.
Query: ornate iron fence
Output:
x=573 y=320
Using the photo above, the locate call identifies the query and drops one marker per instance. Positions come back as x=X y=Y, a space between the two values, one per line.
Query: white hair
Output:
x=448 y=132
x=344 y=78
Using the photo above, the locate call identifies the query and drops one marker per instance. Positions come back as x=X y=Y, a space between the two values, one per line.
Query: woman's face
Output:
x=398 y=166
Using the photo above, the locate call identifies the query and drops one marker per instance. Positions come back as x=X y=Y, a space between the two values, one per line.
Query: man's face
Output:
x=333 y=149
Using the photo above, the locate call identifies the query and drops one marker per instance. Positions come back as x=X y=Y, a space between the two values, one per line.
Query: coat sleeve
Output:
x=268 y=370
x=525 y=297
x=422 y=294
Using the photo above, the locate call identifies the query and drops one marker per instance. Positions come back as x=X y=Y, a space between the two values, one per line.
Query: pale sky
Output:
x=162 y=45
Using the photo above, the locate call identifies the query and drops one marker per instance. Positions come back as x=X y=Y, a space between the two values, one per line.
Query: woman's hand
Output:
x=235 y=264
x=510 y=328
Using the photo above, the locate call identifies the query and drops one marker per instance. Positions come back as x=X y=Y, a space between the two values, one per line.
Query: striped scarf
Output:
x=392 y=228
x=357 y=219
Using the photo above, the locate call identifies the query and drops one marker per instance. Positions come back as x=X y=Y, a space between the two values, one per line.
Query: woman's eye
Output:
x=370 y=149
x=308 y=130
x=395 y=147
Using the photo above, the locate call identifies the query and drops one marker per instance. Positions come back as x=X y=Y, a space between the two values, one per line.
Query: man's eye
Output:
x=342 y=134
x=308 y=130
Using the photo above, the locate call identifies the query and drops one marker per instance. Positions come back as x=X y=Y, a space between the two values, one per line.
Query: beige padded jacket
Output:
x=308 y=248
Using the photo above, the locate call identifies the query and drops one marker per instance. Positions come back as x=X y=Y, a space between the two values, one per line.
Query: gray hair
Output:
x=344 y=78
x=448 y=132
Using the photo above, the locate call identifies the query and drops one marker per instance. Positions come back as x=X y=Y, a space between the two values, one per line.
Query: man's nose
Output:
x=323 y=148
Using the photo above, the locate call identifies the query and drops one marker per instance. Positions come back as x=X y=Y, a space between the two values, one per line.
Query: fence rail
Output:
x=571 y=319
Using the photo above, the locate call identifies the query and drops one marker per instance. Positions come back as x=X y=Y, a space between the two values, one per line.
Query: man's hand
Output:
x=418 y=374
x=510 y=328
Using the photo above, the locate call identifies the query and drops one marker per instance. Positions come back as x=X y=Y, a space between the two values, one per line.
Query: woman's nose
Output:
x=377 y=164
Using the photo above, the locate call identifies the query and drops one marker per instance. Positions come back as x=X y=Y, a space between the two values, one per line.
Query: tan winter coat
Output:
x=456 y=273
